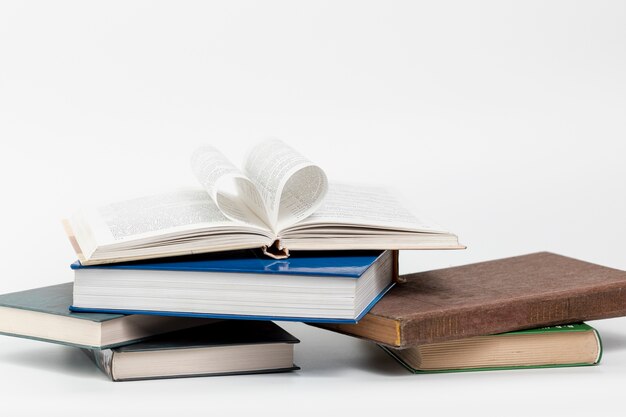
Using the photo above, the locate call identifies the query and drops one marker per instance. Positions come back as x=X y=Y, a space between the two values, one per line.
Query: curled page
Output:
x=350 y=204
x=290 y=186
x=235 y=195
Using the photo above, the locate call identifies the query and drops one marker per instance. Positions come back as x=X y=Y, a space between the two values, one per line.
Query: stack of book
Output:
x=190 y=282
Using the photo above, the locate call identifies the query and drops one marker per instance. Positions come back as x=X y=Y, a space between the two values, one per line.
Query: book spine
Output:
x=505 y=317
x=103 y=358
x=600 y=347
x=395 y=258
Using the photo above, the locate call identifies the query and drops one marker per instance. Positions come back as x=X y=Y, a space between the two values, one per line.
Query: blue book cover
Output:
x=346 y=264
x=335 y=264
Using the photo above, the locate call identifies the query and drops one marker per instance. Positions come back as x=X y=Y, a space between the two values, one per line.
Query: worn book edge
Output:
x=72 y=238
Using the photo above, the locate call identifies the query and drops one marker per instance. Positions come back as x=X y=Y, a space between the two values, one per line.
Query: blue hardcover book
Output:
x=319 y=287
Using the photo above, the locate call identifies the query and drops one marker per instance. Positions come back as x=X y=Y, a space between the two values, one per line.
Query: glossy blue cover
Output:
x=349 y=264
x=237 y=316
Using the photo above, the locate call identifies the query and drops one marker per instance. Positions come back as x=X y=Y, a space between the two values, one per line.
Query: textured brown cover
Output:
x=540 y=289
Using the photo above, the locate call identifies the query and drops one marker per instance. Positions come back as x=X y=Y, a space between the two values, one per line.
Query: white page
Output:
x=367 y=206
x=153 y=215
x=231 y=190
x=290 y=186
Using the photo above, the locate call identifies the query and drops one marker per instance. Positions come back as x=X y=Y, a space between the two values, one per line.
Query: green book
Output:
x=43 y=314
x=557 y=346
x=228 y=347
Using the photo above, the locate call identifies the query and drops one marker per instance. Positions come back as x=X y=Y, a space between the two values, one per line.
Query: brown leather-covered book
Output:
x=522 y=292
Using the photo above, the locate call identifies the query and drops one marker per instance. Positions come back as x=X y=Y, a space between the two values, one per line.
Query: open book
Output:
x=279 y=201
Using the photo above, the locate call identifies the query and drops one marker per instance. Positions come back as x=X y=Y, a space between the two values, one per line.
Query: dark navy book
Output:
x=226 y=347
x=322 y=287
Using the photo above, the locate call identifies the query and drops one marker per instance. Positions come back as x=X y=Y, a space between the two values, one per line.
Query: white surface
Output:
x=503 y=121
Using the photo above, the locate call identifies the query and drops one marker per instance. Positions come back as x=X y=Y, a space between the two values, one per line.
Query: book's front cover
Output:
x=54 y=299
x=349 y=264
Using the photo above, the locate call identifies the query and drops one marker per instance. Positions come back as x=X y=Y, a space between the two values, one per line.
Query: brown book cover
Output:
x=522 y=292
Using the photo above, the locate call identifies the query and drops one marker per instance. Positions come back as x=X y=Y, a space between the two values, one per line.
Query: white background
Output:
x=504 y=121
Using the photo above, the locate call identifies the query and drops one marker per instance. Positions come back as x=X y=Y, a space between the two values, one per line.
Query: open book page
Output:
x=235 y=195
x=151 y=218
x=290 y=186
x=360 y=205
